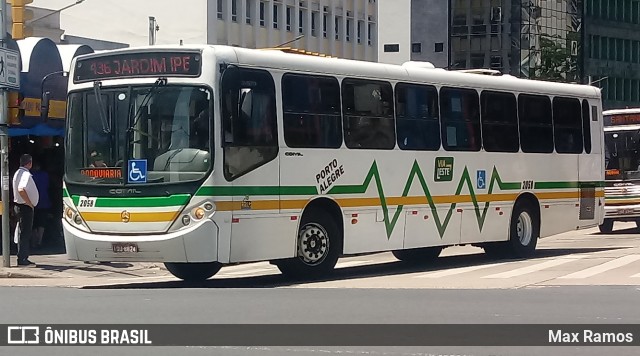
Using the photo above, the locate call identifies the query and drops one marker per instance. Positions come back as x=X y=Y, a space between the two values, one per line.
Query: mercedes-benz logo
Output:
x=125 y=216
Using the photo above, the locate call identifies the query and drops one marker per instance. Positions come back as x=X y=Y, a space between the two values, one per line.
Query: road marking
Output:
x=248 y=272
x=589 y=272
x=535 y=268
x=458 y=270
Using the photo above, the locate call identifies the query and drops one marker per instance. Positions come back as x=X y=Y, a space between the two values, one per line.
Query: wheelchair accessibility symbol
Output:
x=481 y=178
x=137 y=171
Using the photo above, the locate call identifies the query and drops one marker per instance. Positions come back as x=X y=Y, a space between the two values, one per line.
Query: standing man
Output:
x=25 y=197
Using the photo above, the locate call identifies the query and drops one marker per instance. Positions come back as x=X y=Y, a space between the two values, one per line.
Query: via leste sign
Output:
x=9 y=68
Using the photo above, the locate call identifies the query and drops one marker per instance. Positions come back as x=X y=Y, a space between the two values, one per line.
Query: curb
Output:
x=9 y=274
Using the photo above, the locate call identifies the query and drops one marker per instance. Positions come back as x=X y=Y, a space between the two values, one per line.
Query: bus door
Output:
x=590 y=170
x=258 y=232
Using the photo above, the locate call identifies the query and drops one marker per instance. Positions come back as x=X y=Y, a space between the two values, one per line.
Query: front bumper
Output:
x=198 y=243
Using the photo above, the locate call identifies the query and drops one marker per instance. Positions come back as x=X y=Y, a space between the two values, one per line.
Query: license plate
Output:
x=124 y=247
x=625 y=211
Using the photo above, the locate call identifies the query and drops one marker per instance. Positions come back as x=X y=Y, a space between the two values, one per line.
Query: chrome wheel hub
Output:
x=313 y=244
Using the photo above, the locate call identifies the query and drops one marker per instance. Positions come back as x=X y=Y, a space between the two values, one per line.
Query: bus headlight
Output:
x=74 y=218
x=194 y=212
x=198 y=213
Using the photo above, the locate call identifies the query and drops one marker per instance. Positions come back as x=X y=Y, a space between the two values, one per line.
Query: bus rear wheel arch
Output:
x=193 y=272
x=319 y=244
x=524 y=231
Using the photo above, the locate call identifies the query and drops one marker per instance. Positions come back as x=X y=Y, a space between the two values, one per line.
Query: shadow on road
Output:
x=346 y=273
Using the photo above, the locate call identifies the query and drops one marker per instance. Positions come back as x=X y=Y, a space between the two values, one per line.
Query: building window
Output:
x=248 y=12
x=324 y=25
x=289 y=18
x=262 y=5
x=392 y=48
x=369 y=33
x=439 y=47
x=416 y=47
x=275 y=16
x=314 y=16
x=234 y=10
x=337 y=25
x=348 y=30
x=300 y=22
x=359 y=32
x=220 y=13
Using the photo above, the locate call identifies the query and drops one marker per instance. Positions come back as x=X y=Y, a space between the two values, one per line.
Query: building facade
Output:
x=612 y=49
x=342 y=28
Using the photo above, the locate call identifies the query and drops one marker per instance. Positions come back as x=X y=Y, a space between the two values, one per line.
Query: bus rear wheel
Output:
x=607 y=226
x=319 y=246
x=423 y=255
x=193 y=272
x=524 y=230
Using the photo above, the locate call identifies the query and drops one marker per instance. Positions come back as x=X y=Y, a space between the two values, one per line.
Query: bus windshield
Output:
x=139 y=134
x=622 y=154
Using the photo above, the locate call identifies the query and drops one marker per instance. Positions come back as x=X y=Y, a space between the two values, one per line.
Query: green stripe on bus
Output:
x=567 y=185
x=65 y=193
x=441 y=224
x=138 y=202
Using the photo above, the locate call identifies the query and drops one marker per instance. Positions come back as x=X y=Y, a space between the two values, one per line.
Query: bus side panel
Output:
x=591 y=171
x=258 y=231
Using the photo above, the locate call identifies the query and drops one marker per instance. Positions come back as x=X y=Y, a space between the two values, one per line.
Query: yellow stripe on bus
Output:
x=133 y=217
x=392 y=201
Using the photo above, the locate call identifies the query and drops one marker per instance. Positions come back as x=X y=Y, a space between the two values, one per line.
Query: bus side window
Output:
x=249 y=120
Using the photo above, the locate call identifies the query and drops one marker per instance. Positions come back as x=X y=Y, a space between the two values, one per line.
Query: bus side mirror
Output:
x=44 y=107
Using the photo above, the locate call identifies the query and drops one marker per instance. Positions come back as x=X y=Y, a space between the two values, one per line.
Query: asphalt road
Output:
x=554 y=305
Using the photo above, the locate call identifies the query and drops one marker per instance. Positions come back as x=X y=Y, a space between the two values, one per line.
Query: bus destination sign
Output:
x=624 y=119
x=142 y=64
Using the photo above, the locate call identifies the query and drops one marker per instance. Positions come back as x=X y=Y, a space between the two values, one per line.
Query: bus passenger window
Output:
x=368 y=114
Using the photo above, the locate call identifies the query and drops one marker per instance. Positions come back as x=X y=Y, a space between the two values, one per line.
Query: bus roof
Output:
x=280 y=60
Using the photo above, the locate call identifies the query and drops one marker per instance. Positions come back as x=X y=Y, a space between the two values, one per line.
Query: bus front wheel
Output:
x=193 y=272
x=606 y=227
x=319 y=246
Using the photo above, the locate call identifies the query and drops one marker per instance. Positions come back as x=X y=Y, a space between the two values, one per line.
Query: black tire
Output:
x=193 y=272
x=319 y=247
x=524 y=230
x=416 y=256
x=607 y=226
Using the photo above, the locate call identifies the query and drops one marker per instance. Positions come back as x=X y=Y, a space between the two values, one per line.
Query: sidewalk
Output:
x=58 y=266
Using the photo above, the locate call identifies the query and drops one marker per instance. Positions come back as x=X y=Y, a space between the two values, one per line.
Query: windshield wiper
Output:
x=160 y=82
x=106 y=125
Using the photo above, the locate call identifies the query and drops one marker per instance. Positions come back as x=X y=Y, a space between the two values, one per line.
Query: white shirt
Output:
x=23 y=179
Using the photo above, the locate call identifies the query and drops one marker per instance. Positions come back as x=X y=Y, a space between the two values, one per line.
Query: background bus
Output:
x=622 y=164
x=203 y=156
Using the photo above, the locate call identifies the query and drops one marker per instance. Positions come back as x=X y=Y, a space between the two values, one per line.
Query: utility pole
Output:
x=153 y=28
x=4 y=152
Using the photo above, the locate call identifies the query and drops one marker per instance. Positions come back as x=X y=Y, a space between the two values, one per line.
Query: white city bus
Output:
x=622 y=167
x=204 y=156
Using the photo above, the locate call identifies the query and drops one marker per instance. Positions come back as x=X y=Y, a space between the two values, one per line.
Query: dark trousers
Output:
x=25 y=221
